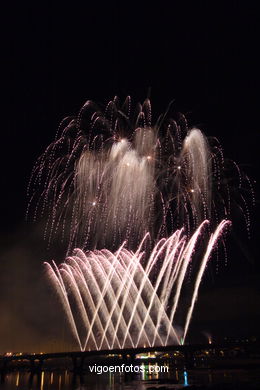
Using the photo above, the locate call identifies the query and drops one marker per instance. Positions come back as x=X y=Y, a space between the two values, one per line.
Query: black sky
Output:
x=56 y=56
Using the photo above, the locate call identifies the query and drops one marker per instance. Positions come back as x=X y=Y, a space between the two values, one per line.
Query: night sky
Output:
x=201 y=54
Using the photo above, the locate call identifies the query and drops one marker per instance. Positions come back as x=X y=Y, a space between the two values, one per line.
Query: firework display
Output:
x=112 y=179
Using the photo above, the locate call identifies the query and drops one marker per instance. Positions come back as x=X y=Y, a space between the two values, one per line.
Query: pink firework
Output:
x=112 y=179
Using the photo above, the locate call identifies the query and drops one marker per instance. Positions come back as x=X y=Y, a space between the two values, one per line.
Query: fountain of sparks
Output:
x=111 y=302
x=111 y=180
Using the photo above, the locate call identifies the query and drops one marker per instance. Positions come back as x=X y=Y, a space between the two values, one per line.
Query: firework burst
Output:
x=112 y=176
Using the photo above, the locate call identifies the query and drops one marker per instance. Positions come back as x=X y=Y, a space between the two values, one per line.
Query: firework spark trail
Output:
x=125 y=305
x=185 y=259
x=212 y=242
x=196 y=156
x=87 y=296
x=57 y=280
x=106 y=286
x=114 y=311
x=125 y=290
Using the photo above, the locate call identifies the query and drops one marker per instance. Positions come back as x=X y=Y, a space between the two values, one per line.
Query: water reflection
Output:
x=65 y=380
x=185 y=376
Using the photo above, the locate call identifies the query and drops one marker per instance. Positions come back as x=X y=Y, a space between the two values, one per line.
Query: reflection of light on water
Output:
x=168 y=371
x=149 y=370
x=17 y=379
x=156 y=374
x=42 y=380
x=56 y=380
x=66 y=377
x=143 y=372
x=185 y=377
x=111 y=381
